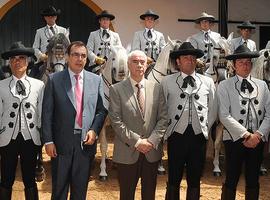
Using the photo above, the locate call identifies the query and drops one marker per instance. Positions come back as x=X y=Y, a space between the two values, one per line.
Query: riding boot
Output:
x=172 y=192
x=252 y=193
x=193 y=193
x=5 y=194
x=31 y=193
x=227 y=194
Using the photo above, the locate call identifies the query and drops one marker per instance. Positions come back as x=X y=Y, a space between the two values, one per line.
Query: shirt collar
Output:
x=104 y=29
x=240 y=78
x=16 y=79
x=133 y=82
x=71 y=74
x=185 y=75
x=54 y=26
x=146 y=29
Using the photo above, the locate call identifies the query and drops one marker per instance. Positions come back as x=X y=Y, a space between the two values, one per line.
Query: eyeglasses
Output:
x=78 y=55
x=142 y=62
x=20 y=58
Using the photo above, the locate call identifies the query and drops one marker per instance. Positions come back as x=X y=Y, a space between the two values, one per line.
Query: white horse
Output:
x=114 y=70
x=261 y=70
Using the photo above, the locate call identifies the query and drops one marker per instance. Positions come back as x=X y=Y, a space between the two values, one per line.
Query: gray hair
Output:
x=136 y=52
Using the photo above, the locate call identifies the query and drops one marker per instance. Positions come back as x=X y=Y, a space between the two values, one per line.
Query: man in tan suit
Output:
x=138 y=114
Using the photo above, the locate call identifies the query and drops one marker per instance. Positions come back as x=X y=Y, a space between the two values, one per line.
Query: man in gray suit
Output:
x=149 y=40
x=206 y=39
x=44 y=34
x=138 y=113
x=20 y=122
x=244 y=110
x=73 y=115
x=191 y=106
x=246 y=29
x=101 y=41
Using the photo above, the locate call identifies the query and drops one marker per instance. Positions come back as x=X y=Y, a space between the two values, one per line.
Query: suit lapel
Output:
x=128 y=89
x=148 y=99
x=68 y=87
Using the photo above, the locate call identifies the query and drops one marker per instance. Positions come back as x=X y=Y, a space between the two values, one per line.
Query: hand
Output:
x=100 y=61
x=144 y=146
x=149 y=60
x=252 y=140
x=51 y=150
x=90 y=137
x=43 y=57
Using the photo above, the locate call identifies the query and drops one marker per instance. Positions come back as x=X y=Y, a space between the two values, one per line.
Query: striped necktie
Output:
x=140 y=97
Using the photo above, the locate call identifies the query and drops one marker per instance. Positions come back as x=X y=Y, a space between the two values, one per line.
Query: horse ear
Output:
x=171 y=42
x=67 y=32
x=230 y=37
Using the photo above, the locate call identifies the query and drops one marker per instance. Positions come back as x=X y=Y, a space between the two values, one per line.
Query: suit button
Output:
x=205 y=46
x=10 y=124
x=12 y=114
x=31 y=125
x=27 y=105
x=199 y=108
x=101 y=43
x=99 y=49
x=259 y=112
x=182 y=96
x=196 y=96
x=244 y=102
x=145 y=49
x=256 y=101
x=201 y=118
x=109 y=44
x=243 y=112
x=240 y=121
x=205 y=51
x=211 y=45
x=29 y=115
x=179 y=107
x=15 y=105
x=176 y=117
x=98 y=54
x=153 y=43
x=204 y=57
x=147 y=43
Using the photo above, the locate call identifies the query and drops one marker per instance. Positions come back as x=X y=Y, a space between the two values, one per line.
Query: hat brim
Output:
x=195 y=52
x=27 y=51
x=142 y=17
x=57 y=13
x=246 y=27
x=253 y=54
x=110 y=16
x=210 y=19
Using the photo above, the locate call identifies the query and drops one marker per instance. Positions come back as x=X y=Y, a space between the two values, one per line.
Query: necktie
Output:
x=245 y=43
x=246 y=85
x=78 y=96
x=149 y=34
x=206 y=36
x=105 y=34
x=52 y=30
x=20 y=88
x=188 y=80
x=140 y=97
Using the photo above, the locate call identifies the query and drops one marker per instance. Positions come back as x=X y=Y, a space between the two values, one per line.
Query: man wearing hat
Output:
x=206 y=40
x=20 y=122
x=245 y=34
x=244 y=110
x=101 y=41
x=44 y=34
x=149 y=40
x=192 y=109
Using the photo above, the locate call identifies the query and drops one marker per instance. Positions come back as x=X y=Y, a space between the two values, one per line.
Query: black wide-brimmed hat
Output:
x=242 y=52
x=246 y=25
x=105 y=13
x=149 y=13
x=50 y=11
x=205 y=16
x=186 y=48
x=17 y=48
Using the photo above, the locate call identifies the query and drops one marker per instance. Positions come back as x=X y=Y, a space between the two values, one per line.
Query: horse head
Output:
x=261 y=67
x=56 y=51
x=164 y=65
